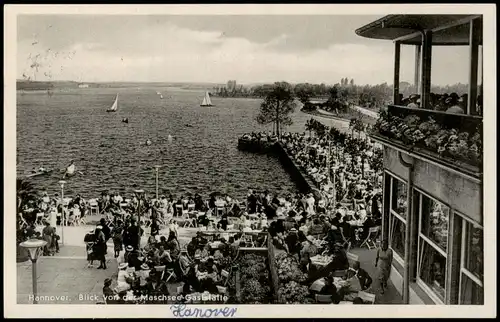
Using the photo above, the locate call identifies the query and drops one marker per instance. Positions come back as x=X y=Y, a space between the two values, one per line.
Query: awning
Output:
x=448 y=30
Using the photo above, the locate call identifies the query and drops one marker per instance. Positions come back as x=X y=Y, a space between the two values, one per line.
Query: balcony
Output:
x=450 y=140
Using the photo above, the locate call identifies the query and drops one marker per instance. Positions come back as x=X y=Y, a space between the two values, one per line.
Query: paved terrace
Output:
x=67 y=279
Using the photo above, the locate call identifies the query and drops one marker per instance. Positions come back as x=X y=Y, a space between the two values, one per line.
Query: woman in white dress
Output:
x=53 y=216
x=173 y=226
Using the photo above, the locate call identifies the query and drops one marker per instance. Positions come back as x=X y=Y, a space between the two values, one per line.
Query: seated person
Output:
x=191 y=247
x=369 y=223
x=331 y=289
x=317 y=227
x=364 y=278
x=123 y=280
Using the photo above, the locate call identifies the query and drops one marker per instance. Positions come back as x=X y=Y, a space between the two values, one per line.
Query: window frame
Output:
x=431 y=243
x=396 y=256
x=463 y=269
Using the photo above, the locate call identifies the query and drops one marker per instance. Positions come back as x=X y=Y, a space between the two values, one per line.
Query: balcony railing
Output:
x=453 y=140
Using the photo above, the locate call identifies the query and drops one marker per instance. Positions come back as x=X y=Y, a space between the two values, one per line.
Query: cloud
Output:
x=163 y=51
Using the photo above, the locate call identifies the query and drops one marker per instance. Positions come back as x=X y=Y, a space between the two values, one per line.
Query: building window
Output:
x=397 y=235
x=397 y=218
x=434 y=221
x=398 y=196
x=432 y=268
x=433 y=238
x=471 y=270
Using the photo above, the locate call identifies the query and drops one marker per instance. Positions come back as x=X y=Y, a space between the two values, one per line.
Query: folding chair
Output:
x=209 y=237
x=179 y=210
x=94 y=206
x=352 y=258
x=220 y=210
x=190 y=207
x=369 y=242
x=346 y=241
x=22 y=220
x=160 y=269
x=264 y=242
x=221 y=289
x=248 y=239
x=188 y=222
x=324 y=299
x=170 y=274
x=225 y=276
x=39 y=218
x=367 y=297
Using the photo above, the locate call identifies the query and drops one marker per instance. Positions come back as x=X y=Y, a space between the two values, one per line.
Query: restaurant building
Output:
x=433 y=177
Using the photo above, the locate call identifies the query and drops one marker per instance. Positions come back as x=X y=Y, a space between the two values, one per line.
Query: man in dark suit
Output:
x=133 y=234
x=251 y=202
x=364 y=278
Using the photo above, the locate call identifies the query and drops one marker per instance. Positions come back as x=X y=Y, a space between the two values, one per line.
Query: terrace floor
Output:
x=67 y=279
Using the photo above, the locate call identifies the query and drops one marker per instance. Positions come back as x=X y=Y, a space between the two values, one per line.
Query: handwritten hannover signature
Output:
x=180 y=310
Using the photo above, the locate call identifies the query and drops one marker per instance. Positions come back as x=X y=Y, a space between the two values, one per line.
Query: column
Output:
x=474 y=37
x=426 y=68
x=453 y=259
x=397 y=58
x=386 y=193
x=416 y=82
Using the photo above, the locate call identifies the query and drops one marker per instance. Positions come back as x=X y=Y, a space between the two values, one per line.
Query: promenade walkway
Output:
x=65 y=277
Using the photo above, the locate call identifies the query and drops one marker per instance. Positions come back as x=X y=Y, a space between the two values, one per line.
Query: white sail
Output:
x=206 y=100
x=114 y=107
x=207 y=96
x=161 y=96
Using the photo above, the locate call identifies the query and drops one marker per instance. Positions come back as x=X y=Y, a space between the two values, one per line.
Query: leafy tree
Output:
x=304 y=92
x=278 y=105
x=25 y=193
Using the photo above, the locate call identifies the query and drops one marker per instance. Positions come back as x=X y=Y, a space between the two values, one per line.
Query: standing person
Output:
x=48 y=234
x=172 y=227
x=107 y=233
x=100 y=247
x=155 y=228
x=126 y=233
x=118 y=239
x=89 y=240
x=133 y=234
x=384 y=263
x=251 y=202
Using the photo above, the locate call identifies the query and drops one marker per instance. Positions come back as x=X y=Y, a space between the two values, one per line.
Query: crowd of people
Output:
x=327 y=222
x=450 y=103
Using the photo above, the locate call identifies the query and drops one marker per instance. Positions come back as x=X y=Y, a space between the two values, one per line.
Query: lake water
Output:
x=74 y=125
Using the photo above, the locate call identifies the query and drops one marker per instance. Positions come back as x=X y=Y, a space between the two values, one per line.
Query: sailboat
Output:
x=161 y=96
x=206 y=100
x=158 y=93
x=113 y=107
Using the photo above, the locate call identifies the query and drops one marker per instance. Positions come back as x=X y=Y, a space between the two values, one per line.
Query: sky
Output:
x=214 y=49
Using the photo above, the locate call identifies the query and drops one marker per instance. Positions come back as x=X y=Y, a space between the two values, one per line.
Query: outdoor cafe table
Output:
x=320 y=260
x=339 y=283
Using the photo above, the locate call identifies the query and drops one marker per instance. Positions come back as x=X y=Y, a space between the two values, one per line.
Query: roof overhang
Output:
x=448 y=30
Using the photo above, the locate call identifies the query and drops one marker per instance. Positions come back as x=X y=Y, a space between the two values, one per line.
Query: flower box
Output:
x=451 y=139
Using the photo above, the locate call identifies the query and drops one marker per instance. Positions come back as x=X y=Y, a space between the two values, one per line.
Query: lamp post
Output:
x=62 y=182
x=139 y=195
x=34 y=246
x=157 y=167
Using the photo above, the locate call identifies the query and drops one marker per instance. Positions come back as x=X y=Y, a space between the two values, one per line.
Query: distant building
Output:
x=231 y=85
x=83 y=85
